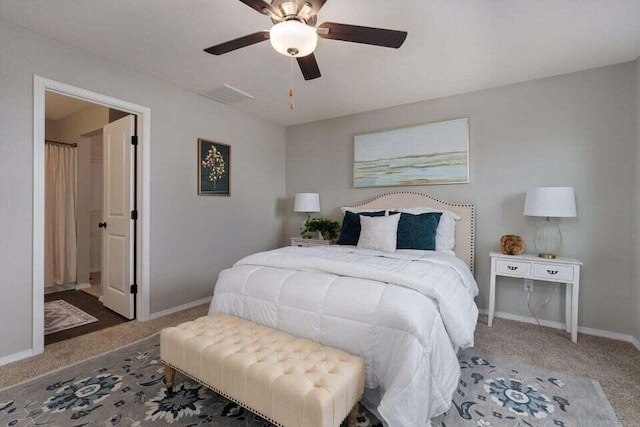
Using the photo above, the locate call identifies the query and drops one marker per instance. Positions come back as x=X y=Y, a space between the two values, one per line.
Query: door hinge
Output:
x=134 y=140
x=134 y=289
x=134 y=215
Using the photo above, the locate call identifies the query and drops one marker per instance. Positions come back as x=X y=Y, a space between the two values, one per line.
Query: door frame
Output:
x=40 y=86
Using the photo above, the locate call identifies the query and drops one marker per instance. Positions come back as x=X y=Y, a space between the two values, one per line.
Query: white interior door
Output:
x=117 y=197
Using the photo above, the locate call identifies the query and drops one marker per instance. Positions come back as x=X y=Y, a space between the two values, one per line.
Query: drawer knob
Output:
x=512 y=267
x=552 y=272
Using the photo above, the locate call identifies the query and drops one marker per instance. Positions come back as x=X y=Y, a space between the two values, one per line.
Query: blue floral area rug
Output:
x=501 y=392
x=125 y=388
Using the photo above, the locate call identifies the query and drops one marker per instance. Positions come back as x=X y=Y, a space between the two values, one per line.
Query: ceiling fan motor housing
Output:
x=300 y=10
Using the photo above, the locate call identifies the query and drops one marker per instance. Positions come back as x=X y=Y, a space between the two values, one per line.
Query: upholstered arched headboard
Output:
x=465 y=226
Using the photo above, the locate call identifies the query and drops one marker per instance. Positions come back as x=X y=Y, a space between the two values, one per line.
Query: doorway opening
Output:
x=91 y=211
x=75 y=192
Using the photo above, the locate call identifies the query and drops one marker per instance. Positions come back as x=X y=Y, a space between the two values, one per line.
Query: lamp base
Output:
x=547 y=239
x=303 y=226
x=547 y=256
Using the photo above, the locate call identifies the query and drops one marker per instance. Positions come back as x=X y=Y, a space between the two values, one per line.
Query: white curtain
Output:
x=60 y=215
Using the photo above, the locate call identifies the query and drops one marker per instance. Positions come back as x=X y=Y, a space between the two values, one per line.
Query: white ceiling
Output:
x=57 y=106
x=454 y=46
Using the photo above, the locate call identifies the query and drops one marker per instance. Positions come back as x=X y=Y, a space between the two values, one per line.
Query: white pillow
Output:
x=418 y=211
x=446 y=231
x=379 y=232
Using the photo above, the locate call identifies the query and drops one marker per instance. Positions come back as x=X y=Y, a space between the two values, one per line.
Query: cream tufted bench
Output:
x=289 y=381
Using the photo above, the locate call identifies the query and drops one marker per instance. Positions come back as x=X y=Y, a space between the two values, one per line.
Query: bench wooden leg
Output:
x=352 y=419
x=169 y=375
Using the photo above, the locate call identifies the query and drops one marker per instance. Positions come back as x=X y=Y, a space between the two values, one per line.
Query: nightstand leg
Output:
x=567 y=307
x=575 y=289
x=492 y=292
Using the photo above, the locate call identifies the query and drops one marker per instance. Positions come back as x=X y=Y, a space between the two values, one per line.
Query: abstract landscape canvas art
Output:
x=432 y=153
x=214 y=168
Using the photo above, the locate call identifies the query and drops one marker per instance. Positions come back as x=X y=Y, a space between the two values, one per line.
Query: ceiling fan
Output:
x=294 y=33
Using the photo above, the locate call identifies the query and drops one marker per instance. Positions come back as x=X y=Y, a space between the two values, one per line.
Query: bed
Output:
x=406 y=313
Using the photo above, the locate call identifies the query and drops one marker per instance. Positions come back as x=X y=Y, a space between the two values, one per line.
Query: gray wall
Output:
x=636 y=286
x=571 y=130
x=192 y=237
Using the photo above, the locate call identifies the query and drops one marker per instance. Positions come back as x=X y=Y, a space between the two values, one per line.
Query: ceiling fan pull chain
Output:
x=292 y=102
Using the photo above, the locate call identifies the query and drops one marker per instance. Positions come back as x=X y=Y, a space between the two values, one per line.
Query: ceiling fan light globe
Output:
x=293 y=38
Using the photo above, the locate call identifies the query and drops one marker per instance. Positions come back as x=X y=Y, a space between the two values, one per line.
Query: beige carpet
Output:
x=70 y=351
x=615 y=364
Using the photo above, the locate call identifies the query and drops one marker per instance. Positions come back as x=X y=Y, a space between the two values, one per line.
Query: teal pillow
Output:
x=418 y=231
x=350 y=231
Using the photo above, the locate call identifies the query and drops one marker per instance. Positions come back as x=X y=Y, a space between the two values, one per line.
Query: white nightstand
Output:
x=305 y=243
x=532 y=267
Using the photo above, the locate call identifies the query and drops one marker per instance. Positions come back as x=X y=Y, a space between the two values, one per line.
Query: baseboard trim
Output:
x=5 y=360
x=179 y=308
x=82 y=286
x=558 y=325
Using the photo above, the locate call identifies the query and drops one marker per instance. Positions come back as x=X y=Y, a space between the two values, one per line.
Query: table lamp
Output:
x=549 y=202
x=307 y=203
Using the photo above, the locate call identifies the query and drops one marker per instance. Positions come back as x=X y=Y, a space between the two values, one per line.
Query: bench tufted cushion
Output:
x=288 y=380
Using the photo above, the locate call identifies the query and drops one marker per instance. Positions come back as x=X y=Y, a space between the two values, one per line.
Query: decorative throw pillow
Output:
x=350 y=231
x=446 y=233
x=418 y=231
x=380 y=233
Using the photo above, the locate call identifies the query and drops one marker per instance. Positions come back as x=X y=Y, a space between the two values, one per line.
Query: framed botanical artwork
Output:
x=432 y=153
x=214 y=168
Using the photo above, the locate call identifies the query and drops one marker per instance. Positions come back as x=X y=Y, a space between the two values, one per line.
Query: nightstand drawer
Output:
x=307 y=243
x=513 y=268
x=301 y=243
x=553 y=271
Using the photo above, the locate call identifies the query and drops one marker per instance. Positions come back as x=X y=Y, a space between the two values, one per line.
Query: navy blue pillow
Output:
x=350 y=231
x=418 y=231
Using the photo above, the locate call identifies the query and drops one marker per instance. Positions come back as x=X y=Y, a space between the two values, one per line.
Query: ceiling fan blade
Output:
x=262 y=7
x=238 y=43
x=309 y=67
x=365 y=35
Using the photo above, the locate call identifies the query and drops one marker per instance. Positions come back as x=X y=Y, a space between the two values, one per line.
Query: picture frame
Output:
x=426 y=154
x=214 y=168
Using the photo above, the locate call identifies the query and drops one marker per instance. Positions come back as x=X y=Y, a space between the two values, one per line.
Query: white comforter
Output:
x=406 y=314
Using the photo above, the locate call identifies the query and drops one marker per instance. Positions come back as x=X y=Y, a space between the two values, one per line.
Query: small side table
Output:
x=305 y=243
x=531 y=267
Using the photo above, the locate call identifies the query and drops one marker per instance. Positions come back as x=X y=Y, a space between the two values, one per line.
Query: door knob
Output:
x=102 y=225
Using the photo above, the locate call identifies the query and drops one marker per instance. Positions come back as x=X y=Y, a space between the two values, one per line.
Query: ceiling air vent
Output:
x=227 y=94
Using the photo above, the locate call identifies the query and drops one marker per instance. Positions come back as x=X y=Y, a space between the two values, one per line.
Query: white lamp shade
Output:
x=307 y=202
x=557 y=202
x=293 y=38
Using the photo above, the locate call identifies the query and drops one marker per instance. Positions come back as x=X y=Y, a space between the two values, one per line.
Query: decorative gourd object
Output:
x=510 y=244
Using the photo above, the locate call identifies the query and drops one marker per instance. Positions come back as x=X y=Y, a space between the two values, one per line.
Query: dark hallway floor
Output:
x=106 y=318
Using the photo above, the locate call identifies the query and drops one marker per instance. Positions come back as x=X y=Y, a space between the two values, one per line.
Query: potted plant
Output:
x=326 y=228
